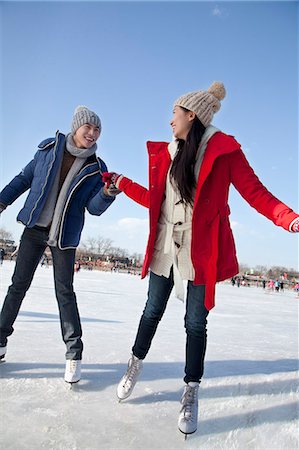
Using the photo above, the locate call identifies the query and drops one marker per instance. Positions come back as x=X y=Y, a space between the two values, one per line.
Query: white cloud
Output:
x=244 y=230
x=132 y=226
x=129 y=233
x=217 y=11
x=234 y=224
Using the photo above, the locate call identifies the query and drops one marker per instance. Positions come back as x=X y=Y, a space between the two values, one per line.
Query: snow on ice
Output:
x=248 y=396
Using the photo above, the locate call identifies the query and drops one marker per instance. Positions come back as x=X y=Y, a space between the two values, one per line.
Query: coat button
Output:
x=179 y=223
x=207 y=201
x=177 y=245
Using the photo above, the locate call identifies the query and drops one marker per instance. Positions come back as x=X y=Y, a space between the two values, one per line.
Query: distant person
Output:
x=64 y=179
x=190 y=236
x=276 y=285
x=281 y=285
x=264 y=284
x=2 y=254
x=271 y=285
x=77 y=266
x=44 y=260
x=15 y=252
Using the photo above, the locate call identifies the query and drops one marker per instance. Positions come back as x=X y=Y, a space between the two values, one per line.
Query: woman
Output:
x=190 y=236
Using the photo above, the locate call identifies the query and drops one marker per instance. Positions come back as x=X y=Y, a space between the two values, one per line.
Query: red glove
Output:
x=110 y=178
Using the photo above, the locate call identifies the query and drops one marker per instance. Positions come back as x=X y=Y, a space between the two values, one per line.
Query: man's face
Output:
x=86 y=136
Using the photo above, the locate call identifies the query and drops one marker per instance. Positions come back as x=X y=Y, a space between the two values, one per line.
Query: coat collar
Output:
x=219 y=144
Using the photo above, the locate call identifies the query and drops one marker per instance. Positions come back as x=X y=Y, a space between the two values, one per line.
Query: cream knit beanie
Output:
x=83 y=115
x=203 y=103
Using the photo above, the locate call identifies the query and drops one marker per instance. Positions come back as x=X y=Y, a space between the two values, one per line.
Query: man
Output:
x=63 y=179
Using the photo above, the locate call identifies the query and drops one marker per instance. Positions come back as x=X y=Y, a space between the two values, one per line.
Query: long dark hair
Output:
x=182 y=169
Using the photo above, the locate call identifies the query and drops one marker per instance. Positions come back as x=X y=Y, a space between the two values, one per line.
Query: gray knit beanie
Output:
x=84 y=115
x=203 y=103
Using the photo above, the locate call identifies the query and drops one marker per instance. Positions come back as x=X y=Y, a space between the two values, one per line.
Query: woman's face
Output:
x=181 y=122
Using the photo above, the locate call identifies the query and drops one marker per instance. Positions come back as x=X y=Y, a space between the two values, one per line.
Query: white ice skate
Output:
x=188 y=415
x=128 y=381
x=3 y=349
x=72 y=370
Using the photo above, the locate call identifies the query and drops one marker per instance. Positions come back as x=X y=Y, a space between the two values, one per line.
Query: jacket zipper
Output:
x=66 y=205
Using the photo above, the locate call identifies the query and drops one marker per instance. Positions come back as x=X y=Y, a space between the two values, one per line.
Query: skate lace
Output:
x=133 y=369
x=73 y=365
x=188 y=400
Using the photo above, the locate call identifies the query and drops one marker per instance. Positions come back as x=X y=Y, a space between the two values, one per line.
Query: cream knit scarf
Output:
x=172 y=197
x=81 y=155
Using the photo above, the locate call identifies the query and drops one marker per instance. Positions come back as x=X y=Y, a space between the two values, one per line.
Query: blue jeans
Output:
x=195 y=323
x=32 y=246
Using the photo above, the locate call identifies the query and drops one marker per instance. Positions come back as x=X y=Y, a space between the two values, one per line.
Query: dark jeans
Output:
x=195 y=323
x=32 y=246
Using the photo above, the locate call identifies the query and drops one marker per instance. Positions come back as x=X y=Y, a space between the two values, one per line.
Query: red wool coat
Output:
x=213 y=250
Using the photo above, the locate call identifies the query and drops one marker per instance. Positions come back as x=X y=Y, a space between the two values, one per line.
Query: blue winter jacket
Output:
x=86 y=190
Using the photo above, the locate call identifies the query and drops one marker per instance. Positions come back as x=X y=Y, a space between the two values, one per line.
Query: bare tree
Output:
x=104 y=246
x=244 y=268
x=277 y=271
x=118 y=252
x=90 y=245
x=262 y=270
x=4 y=234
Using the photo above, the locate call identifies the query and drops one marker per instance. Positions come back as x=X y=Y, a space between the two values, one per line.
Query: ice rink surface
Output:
x=248 y=396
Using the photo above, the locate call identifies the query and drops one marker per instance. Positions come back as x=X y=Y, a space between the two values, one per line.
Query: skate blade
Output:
x=71 y=384
x=122 y=400
x=187 y=434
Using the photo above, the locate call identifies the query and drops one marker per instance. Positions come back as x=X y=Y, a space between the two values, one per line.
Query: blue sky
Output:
x=129 y=61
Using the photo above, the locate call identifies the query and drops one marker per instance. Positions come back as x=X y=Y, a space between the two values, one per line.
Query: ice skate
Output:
x=187 y=422
x=72 y=370
x=3 y=349
x=128 y=381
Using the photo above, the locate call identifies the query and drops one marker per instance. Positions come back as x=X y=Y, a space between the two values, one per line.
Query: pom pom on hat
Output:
x=203 y=103
x=218 y=90
x=83 y=115
x=80 y=108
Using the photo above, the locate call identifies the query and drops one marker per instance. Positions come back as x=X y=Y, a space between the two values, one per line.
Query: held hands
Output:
x=110 y=179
